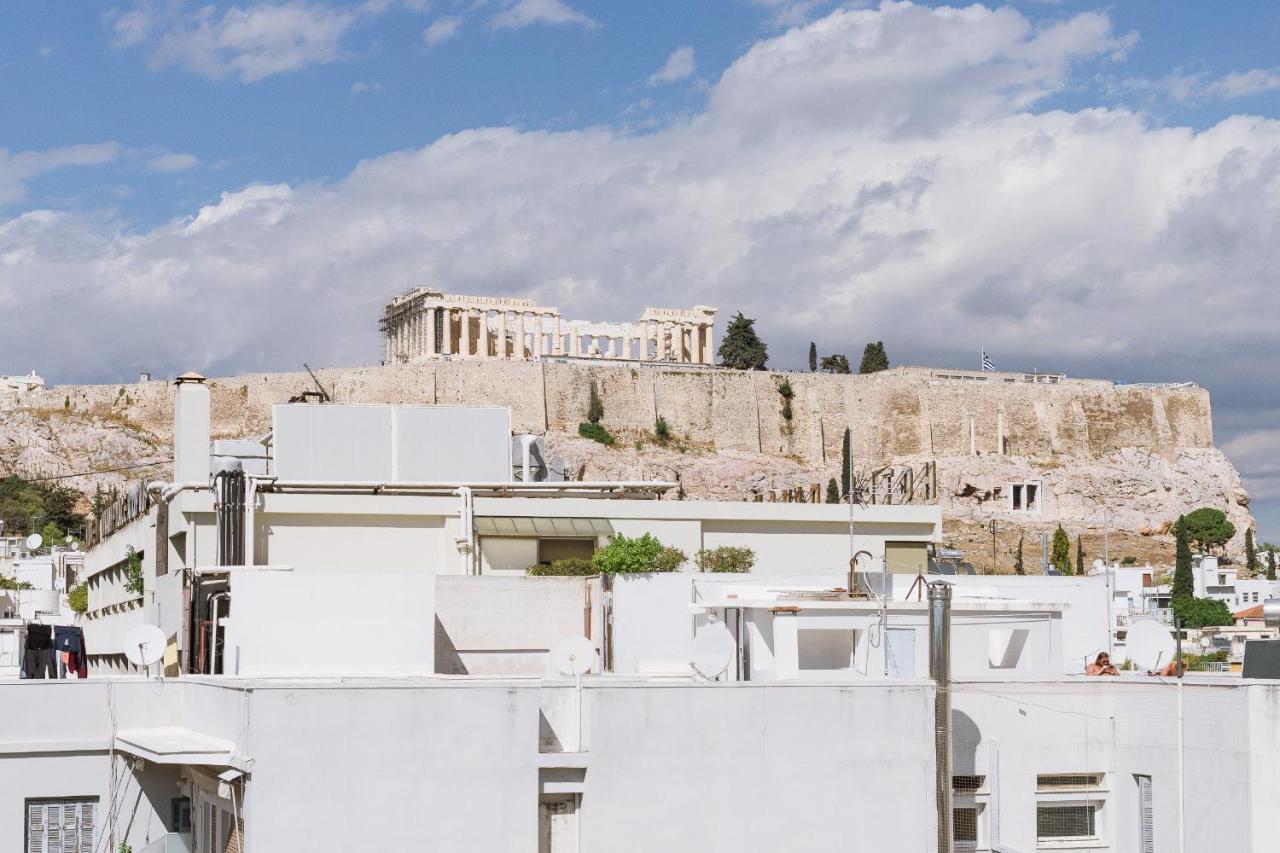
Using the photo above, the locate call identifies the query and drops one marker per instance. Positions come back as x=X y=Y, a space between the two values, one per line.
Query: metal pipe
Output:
x=213 y=626
x=940 y=672
x=467 y=514
x=250 y=538
x=481 y=485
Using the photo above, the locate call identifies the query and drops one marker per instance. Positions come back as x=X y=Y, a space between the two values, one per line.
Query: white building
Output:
x=321 y=721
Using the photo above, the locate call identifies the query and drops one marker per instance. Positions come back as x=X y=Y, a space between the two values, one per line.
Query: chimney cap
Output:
x=189 y=376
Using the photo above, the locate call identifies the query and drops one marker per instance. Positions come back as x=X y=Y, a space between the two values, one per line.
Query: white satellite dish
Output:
x=1149 y=644
x=573 y=656
x=713 y=649
x=34 y=541
x=144 y=645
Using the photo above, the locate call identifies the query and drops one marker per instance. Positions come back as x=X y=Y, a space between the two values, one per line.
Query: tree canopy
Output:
x=21 y=500
x=874 y=358
x=1208 y=528
x=742 y=348
x=836 y=363
x=1202 y=612
x=813 y=356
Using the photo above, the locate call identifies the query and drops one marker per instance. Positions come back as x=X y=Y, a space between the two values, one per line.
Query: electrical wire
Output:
x=97 y=471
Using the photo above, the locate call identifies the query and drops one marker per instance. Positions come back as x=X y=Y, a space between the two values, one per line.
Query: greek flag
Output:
x=987 y=364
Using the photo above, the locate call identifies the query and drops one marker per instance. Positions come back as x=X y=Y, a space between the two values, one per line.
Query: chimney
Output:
x=191 y=429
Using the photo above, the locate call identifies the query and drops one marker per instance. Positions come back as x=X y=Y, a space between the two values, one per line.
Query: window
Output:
x=826 y=648
x=550 y=550
x=1024 y=497
x=62 y=824
x=968 y=804
x=1069 y=807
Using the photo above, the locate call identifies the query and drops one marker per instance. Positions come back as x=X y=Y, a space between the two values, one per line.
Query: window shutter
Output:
x=53 y=827
x=235 y=843
x=1146 y=817
x=88 y=826
x=35 y=828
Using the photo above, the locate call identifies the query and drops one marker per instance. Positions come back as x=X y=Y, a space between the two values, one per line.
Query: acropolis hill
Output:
x=1144 y=453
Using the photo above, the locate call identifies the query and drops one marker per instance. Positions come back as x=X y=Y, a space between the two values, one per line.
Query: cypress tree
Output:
x=1079 y=555
x=595 y=408
x=813 y=357
x=1271 y=565
x=1060 y=551
x=1184 y=582
x=844 y=465
x=833 y=491
x=1250 y=551
x=1018 y=568
x=742 y=348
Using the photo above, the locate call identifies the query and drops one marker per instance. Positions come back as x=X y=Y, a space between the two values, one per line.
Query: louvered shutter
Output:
x=53 y=827
x=88 y=826
x=213 y=828
x=235 y=842
x=1146 y=817
x=35 y=827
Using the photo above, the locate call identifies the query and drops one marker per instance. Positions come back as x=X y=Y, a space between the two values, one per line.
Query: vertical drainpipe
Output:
x=940 y=672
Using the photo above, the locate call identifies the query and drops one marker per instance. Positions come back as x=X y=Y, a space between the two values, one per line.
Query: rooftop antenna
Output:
x=144 y=646
x=574 y=656
x=324 y=395
x=1149 y=645
x=713 y=650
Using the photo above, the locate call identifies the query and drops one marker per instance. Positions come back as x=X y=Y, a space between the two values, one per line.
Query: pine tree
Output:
x=595 y=408
x=833 y=491
x=1250 y=551
x=1060 y=551
x=1079 y=555
x=742 y=348
x=874 y=358
x=835 y=364
x=813 y=357
x=844 y=465
x=1271 y=565
x=1018 y=568
x=1184 y=583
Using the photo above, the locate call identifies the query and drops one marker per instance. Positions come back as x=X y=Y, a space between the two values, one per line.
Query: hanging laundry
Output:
x=69 y=640
x=37 y=656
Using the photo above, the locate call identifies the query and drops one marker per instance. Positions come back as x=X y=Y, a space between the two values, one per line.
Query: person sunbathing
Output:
x=1101 y=666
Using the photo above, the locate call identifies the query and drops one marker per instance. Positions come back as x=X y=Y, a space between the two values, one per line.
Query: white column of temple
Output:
x=465 y=348
x=446 y=346
x=627 y=332
x=482 y=348
x=415 y=331
x=709 y=355
x=539 y=335
x=429 y=315
x=520 y=335
x=609 y=350
x=502 y=333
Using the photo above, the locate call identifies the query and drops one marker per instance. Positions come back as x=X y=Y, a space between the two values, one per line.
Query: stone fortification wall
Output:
x=897 y=414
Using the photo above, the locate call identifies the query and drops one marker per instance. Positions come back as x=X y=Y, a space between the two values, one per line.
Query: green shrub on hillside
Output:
x=595 y=432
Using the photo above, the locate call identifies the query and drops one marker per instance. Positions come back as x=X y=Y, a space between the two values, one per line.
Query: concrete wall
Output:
x=506 y=625
x=360 y=621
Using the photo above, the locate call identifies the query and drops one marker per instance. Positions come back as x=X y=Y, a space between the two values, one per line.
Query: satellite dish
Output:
x=573 y=656
x=1149 y=644
x=34 y=541
x=713 y=649
x=144 y=645
x=75 y=546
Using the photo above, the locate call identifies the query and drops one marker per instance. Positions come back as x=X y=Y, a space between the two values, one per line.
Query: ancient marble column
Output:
x=482 y=349
x=430 y=315
x=538 y=331
x=448 y=331
x=520 y=352
x=575 y=340
x=502 y=333
x=557 y=345
x=626 y=342
x=662 y=341
x=709 y=351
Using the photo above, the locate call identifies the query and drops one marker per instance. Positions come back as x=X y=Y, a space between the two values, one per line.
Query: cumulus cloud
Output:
x=173 y=162
x=442 y=29
x=17 y=168
x=679 y=66
x=880 y=174
x=518 y=14
x=246 y=43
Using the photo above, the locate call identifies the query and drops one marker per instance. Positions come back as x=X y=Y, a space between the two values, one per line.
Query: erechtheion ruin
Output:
x=428 y=324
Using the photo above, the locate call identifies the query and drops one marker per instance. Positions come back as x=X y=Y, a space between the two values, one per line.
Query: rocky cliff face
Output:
x=1143 y=454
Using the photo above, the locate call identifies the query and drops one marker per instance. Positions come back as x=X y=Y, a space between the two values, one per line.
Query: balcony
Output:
x=172 y=842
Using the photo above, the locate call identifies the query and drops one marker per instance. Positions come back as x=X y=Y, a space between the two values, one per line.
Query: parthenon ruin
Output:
x=425 y=324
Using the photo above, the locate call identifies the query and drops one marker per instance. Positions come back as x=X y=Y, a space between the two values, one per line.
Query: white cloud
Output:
x=361 y=87
x=247 y=43
x=791 y=13
x=173 y=162
x=519 y=14
x=679 y=65
x=1237 y=84
x=1257 y=453
x=442 y=29
x=875 y=175
x=17 y=168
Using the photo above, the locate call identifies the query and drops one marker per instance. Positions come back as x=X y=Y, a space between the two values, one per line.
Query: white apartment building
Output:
x=363 y=666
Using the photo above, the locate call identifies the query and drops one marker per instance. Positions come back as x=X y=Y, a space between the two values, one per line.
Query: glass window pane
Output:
x=1065 y=821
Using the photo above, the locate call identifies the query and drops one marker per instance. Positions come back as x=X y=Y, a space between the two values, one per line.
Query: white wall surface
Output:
x=362 y=621
x=506 y=625
x=336 y=541
x=652 y=622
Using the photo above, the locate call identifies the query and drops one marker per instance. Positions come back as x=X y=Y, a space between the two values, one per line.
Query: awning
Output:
x=175 y=745
x=529 y=526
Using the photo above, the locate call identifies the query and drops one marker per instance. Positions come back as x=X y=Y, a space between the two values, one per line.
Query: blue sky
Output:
x=1079 y=187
